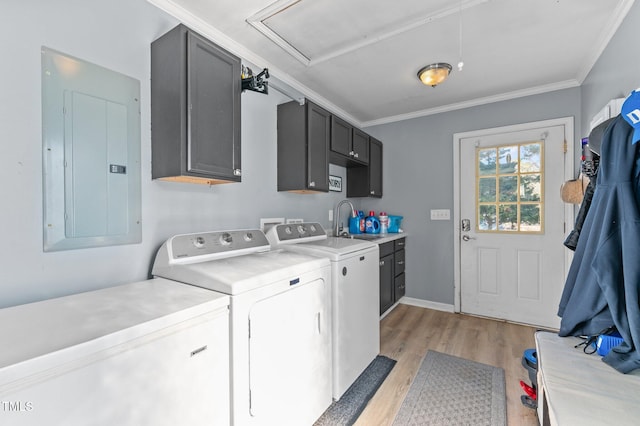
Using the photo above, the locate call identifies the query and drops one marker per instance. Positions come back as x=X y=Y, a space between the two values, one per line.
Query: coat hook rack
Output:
x=255 y=83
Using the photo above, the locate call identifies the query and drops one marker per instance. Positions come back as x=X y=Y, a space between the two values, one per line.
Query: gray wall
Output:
x=617 y=71
x=418 y=177
x=115 y=34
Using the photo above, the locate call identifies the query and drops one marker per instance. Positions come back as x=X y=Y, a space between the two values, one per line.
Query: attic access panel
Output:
x=313 y=31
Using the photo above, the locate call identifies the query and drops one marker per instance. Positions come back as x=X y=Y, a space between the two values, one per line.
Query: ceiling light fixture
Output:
x=434 y=74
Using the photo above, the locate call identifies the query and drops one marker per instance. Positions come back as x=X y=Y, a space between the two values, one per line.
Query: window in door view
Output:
x=509 y=182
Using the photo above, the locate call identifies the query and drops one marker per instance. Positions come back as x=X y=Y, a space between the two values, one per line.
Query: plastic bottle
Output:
x=384 y=222
x=371 y=223
x=361 y=216
x=588 y=167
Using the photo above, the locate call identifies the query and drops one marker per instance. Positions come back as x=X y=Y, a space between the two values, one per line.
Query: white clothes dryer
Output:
x=355 y=283
x=280 y=321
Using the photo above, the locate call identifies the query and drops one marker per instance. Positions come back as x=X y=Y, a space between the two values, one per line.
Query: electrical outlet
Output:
x=441 y=214
x=266 y=223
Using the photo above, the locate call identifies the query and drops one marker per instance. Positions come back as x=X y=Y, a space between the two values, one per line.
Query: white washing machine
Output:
x=355 y=282
x=280 y=321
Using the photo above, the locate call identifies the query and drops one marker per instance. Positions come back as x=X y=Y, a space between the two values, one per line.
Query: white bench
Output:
x=579 y=389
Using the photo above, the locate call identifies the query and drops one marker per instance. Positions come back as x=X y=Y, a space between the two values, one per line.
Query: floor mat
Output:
x=347 y=410
x=448 y=390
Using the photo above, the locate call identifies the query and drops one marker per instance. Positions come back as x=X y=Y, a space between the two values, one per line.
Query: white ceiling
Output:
x=359 y=58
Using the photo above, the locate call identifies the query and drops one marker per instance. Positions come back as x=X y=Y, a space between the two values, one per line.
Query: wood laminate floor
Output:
x=406 y=334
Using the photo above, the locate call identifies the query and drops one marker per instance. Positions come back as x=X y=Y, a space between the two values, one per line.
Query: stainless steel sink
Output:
x=364 y=236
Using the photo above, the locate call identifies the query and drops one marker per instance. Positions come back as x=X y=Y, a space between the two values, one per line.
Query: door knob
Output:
x=467 y=238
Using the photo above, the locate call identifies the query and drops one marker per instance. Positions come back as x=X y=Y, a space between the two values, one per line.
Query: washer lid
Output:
x=238 y=274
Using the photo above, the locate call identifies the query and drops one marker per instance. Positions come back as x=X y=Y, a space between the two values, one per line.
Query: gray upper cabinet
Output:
x=349 y=145
x=360 y=146
x=195 y=109
x=367 y=181
x=304 y=134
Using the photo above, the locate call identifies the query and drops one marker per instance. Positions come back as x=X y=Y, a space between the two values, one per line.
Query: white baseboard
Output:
x=427 y=304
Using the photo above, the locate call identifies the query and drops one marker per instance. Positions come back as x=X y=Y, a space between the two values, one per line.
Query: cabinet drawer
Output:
x=399 y=243
x=399 y=287
x=386 y=248
x=399 y=262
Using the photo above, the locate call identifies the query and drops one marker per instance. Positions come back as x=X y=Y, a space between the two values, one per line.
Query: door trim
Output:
x=568 y=124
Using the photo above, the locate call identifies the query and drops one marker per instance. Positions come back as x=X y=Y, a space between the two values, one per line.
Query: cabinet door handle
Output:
x=382 y=263
x=355 y=155
x=401 y=243
x=401 y=262
x=373 y=192
x=312 y=184
x=351 y=153
x=237 y=172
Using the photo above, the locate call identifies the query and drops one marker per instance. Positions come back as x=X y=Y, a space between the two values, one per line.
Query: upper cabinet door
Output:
x=195 y=110
x=213 y=109
x=318 y=139
x=341 y=136
x=360 y=146
x=375 y=168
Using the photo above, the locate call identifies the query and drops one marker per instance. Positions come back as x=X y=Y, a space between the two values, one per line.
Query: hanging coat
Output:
x=602 y=287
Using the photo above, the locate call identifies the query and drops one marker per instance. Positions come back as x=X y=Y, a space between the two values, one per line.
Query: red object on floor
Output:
x=533 y=394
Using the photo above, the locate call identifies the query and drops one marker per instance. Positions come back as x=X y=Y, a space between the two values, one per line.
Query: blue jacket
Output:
x=602 y=287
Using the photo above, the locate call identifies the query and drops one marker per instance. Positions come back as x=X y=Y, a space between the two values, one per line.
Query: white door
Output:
x=511 y=221
x=290 y=357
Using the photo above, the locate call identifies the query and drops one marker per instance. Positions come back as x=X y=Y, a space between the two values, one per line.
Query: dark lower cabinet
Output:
x=392 y=277
x=386 y=282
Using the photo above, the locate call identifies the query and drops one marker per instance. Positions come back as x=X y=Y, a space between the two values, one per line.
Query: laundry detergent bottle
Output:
x=371 y=224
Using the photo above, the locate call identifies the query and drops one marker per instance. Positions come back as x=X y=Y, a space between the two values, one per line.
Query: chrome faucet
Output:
x=336 y=217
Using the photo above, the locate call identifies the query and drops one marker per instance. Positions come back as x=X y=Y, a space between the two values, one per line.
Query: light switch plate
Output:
x=440 y=214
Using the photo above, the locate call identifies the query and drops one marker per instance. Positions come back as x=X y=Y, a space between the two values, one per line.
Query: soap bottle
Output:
x=384 y=222
x=371 y=223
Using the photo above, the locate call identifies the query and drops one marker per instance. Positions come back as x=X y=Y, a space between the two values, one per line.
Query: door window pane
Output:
x=509 y=188
x=487 y=190
x=508 y=159
x=487 y=218
x=487 y=162
x=530 y=157
x=530 y=218
x=530 y=189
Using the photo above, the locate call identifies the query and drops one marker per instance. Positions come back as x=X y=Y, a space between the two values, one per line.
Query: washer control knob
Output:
x=226 y=239
x=287 y=230
x=248 y=236
x=199 y=242
x=301 y=230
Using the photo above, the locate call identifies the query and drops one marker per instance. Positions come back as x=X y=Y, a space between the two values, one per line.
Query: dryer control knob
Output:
x=199 y=242
x=226 y=239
